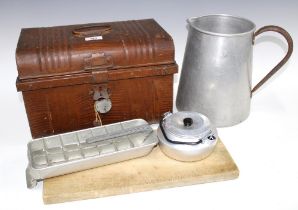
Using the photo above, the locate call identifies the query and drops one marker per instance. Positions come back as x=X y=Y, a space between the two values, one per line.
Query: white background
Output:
x=264 y=146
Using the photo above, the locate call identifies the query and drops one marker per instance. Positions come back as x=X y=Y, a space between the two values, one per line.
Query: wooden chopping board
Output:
x=151 y=172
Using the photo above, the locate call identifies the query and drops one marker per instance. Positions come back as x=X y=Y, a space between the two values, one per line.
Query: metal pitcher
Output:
x=217 y=67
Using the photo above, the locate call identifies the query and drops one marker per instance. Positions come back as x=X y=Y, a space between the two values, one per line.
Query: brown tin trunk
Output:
x=61 y=69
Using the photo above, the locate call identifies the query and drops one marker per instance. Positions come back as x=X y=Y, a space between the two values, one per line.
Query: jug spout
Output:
x=222 y=25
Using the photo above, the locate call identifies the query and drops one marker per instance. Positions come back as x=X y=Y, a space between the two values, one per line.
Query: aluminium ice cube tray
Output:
x=79 y=150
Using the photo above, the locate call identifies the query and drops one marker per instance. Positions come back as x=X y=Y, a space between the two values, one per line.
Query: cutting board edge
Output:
x=230 y=175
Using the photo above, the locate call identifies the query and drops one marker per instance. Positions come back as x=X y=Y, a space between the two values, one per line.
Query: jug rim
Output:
x=190 y=21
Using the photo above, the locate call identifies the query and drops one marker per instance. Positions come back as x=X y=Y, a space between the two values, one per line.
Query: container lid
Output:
x=76 y=49
x=187 y=127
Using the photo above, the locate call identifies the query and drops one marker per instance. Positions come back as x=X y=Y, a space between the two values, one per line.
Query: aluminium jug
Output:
x=217 y=67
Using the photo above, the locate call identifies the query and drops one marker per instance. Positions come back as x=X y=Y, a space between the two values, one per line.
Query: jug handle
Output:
x=288 y=38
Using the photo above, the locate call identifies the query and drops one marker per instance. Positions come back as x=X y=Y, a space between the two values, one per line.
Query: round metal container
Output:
x=186 y=136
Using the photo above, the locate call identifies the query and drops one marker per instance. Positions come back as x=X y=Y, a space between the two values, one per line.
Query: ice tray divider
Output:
x=46 y=151
x=110 y=141
x=99 y=146
x=62 y=147
x=130 y=142
x=115 y=146
x=79 y=144
x=107 y=132
x=146 y=137
x=127 y=136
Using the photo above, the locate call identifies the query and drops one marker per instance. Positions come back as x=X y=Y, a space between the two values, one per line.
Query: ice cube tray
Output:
x=79 y=150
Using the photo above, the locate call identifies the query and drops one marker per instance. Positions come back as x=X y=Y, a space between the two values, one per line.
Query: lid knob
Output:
x=187 y=122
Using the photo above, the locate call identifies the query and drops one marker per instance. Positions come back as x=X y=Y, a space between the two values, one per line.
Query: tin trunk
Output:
x=71 y=74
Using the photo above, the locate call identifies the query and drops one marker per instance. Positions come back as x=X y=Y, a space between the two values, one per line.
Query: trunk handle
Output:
x=95 y=30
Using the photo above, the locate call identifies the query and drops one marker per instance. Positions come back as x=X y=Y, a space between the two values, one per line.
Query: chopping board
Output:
x=154 y=171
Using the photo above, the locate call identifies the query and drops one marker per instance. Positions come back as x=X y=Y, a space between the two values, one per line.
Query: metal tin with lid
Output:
x=186 y=136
